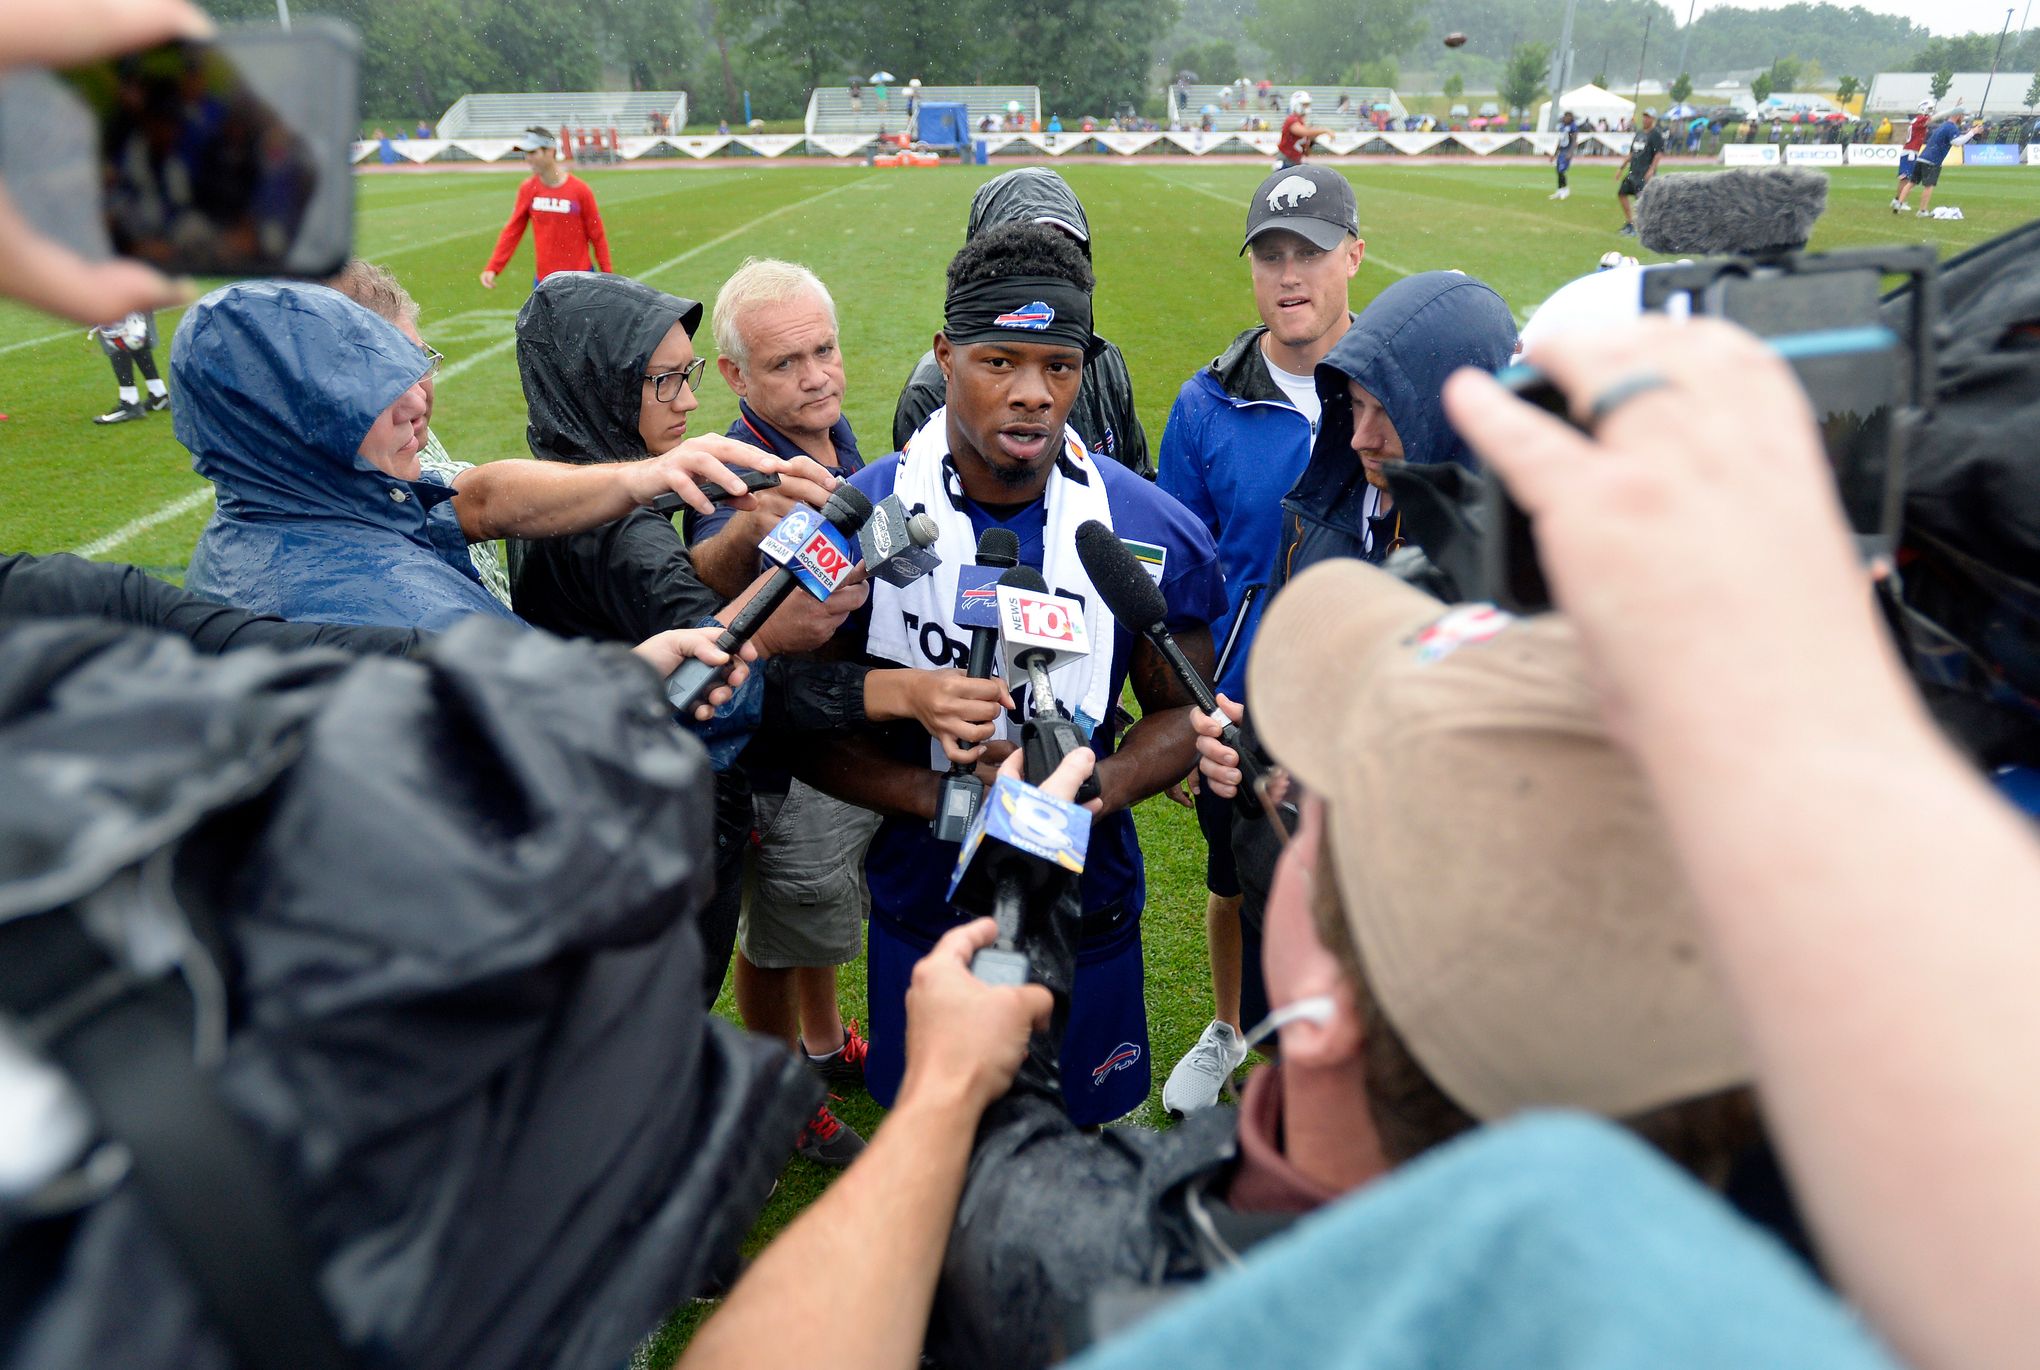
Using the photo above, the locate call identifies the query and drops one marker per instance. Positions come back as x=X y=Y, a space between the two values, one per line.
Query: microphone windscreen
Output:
x=922 y=531
x=1746 y=211
x=998 y=547
x=1118 y=577
x=1025 y=578
x=847 y=508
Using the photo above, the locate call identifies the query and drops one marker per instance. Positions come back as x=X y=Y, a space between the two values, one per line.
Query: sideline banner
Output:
x=1873 y=154
x=850 y=144
x=768 y=144
x=700 y=147
x=1617 y=143
x=1813 y=154
x=1126 y=144
x=1481 y=144
x=1411 y=143
x=2033 y=154
x=1990 y=154
x=1749 y=154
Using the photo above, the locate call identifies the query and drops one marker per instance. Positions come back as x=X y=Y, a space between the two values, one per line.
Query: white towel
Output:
x=926 y=482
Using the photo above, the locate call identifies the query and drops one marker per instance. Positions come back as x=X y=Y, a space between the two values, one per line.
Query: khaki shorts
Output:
x=805 y=898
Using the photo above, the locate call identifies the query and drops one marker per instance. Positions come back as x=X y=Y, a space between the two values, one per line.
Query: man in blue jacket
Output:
x=1238 y=438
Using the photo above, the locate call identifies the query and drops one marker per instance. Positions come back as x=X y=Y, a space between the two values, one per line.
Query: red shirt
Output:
x=1917 y=139
x=565 y=224
x=1289 y=145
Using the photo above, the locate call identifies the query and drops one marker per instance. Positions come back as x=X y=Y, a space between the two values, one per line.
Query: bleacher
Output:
x=506 y=116
x=1186 y=106
x=829 y=112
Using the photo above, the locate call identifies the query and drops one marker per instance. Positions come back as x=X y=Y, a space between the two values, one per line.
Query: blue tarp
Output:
x=945 y=125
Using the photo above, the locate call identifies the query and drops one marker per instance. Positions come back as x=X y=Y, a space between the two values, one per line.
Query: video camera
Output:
x=1871 y=386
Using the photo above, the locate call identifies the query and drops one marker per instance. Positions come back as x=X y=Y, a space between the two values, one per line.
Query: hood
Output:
x=1403 y=346
x=1028 y=196
x=277 y=383
x=583 y=339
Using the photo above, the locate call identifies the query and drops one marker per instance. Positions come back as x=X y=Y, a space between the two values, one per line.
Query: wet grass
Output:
x=1173 y=292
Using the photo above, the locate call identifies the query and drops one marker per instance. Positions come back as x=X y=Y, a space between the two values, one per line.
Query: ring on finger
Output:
x=1621 y=393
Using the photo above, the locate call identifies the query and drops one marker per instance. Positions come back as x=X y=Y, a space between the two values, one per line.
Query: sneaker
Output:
x=1627 y=230
x=156 y=404
x=827 y=1140
x=1204 y=1071
x=842 y=1068
x=121 y=413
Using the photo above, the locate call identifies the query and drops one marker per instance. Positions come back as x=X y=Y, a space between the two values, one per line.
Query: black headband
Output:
x=1019 y=309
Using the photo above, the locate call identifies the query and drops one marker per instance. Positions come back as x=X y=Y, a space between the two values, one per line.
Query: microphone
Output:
x=1745 y=212
x=1137 y=603
x=977 y=608
x=895 y=543
x=1040 y=632
x=1022 y=845
x=813 y=553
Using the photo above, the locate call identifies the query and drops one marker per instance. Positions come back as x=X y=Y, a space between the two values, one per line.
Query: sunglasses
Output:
x=434 y=359
x=666 y=385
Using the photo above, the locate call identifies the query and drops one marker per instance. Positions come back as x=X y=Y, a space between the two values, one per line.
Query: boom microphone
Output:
x=1136 y=601
x=977 y=608
x=1744 y=212
x=813 y=552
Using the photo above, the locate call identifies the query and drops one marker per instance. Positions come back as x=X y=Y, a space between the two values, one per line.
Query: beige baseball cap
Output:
x=1502 y=865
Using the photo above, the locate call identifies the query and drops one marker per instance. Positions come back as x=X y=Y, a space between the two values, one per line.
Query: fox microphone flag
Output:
x=813 y=551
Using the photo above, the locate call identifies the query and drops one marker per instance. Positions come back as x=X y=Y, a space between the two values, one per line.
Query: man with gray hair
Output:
x=805 y=899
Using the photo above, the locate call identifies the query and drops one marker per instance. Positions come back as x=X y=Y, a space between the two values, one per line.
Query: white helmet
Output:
x=1299 y=102
x=1927 y=106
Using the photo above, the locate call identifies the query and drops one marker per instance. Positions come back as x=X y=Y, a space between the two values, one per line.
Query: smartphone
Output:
x=671 y=503
x=221 y=158
x=1857 y=379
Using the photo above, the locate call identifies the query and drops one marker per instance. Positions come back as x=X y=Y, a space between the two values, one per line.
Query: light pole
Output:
x=1637 y=93
x=1561 y=60
x=1686 y=36
x=1994 y=62
x=283 y=12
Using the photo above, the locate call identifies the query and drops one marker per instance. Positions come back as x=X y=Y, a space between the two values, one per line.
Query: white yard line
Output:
x=185 y=504
x=175 y=509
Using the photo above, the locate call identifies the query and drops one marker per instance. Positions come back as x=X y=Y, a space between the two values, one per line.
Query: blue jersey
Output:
x=908 y=870
x=1939 y=141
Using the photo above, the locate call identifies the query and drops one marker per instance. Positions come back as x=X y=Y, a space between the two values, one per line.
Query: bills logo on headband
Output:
x=1034 y=318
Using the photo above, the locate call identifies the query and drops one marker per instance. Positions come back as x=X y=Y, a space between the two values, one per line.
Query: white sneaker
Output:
x=1204 y=1071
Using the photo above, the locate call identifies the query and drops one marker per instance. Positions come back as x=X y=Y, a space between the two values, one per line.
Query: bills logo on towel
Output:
x=1034 y=318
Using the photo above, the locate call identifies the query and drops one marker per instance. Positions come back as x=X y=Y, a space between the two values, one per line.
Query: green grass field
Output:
x=1172 y=292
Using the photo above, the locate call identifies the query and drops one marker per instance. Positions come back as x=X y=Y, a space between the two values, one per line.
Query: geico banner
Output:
x=1873 y=154
x=1991 y=154
x=1813 y=154
x=1749 y=154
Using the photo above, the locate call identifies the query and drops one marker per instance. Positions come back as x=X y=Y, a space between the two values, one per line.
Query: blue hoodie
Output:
x=1415 y=334
x=277 y=383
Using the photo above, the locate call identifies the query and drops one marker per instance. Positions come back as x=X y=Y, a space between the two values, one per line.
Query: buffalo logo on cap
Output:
x=1290 y=192
x=1034 y=318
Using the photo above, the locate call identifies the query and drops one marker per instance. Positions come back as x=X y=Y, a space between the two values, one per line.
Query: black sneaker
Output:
x=827 y=1140
x=1627 y=230
x=121 y=413
x=156 y=404
x=842 y=1068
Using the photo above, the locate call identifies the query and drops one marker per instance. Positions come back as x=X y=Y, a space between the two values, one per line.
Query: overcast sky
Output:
x=1941 y=16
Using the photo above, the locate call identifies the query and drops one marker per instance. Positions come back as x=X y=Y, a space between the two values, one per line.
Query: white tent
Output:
x=1589 y=102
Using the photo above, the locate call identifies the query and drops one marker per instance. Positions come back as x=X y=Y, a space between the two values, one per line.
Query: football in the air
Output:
x=1455 y=40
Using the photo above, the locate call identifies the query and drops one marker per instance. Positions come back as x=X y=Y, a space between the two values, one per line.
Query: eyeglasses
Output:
x=1282 y=798
x=666 y=385
x=434 y=359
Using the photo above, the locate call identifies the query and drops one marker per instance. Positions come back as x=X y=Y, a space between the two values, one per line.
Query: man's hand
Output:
x=488 y=280
x=683 y=470
x=1067 y=778
x=1184 y=791
x=992 y=760
x=1688 y=592
x=1218 y=766
x=665 y=651
x=956 y=710
x=802 y=623
x=966 y=1039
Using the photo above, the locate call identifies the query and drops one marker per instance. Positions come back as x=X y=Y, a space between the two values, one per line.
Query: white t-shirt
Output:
x=1301 y=390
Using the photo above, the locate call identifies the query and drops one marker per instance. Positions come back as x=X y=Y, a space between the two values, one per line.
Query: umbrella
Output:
x=1012 y=107
x=1209 y=109
x=1681 y=111
x=1381 y=106
x=880 y=77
